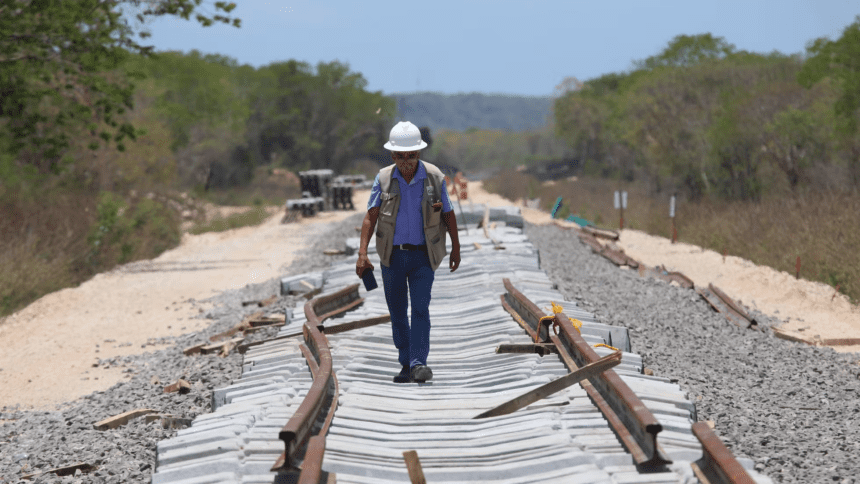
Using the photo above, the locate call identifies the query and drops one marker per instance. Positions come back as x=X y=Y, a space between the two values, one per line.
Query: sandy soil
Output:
x=49 y=347
x=809 y=310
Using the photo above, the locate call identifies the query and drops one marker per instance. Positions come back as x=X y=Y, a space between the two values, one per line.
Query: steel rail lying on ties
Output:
x=717 y=465
x=634 y=424
x=318 y=355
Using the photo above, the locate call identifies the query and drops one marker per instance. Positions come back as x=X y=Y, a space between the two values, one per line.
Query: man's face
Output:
x=407 y=161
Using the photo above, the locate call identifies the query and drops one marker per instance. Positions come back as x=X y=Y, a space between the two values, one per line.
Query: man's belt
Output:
x=422 y=248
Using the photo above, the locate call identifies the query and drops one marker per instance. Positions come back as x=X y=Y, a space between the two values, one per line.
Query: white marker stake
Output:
x=617 y=200
x=672 y=215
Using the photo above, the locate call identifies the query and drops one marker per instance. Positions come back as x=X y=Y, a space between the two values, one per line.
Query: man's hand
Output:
x=362 y=264
x=450 y=222
x=367 y=226
x=454 y=258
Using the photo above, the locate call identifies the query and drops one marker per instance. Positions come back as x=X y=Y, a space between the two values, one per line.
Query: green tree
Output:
x=793 y=143
x=840 y=60
x=204 y=102
x=323 y=119
x=688 y=50
x=61 y=73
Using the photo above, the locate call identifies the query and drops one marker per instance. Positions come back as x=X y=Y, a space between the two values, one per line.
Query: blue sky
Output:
x=501 y=47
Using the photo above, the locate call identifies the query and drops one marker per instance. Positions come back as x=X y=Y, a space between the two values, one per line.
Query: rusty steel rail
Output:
x=717 y=465
x=601 y=233
x=616 y=256
x=723 y=304
x=318 y=354
x=633 y=423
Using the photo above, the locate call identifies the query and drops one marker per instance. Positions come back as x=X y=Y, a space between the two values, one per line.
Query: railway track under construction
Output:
x=527 y=388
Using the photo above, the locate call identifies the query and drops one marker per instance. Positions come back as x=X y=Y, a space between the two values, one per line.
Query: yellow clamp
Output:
x=556 y=308
x=606 y=346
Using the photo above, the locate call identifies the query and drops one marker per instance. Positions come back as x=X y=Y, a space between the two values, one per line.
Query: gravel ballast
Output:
x=792 y=408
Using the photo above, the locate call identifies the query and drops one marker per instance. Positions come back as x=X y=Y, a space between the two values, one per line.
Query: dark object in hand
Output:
x=369 y=279
x=437 y=206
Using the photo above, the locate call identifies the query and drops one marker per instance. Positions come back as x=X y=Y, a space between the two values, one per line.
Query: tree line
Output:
x=705 y=119
x=82 y=99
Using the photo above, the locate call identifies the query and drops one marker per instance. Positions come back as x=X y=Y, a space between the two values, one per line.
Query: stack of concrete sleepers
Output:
x=562 y=438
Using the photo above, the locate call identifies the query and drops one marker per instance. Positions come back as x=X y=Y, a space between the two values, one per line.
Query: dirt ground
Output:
x=51 y=345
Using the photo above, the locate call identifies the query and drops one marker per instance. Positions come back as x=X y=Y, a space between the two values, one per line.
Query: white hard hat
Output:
x=405 y=136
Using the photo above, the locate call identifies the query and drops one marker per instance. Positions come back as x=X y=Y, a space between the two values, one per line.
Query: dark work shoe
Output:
x=421 y=373
x=403 y=377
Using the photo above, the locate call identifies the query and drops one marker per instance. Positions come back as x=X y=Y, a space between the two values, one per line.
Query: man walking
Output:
x=410 y=202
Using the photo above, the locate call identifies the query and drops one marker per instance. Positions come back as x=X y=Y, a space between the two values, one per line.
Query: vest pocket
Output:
x=389 y=201
x=436 y=250
x=384 y=238
x=435 y=218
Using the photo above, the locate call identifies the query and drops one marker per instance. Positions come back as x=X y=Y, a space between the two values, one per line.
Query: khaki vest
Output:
x=434 y=230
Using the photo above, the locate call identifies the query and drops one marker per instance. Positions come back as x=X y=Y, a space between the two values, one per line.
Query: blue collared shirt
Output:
x=409 y=228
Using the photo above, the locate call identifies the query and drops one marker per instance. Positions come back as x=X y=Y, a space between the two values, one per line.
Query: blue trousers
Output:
x=409 y=271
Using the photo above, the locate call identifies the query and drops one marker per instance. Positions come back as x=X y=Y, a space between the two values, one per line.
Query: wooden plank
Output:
x=781 y=334
x=269 y=301
x=193 y=350
x=602 y=233
x=266 y=321
x=841 y=342
x=244 y=347
x=68 y=470
x=363 y=323
x=413 y=465
x=554 y=386
x=220 y=346
x=122 y=419
x=238 y=328
x=339 y=328
x=539 y=348
x=180 y=386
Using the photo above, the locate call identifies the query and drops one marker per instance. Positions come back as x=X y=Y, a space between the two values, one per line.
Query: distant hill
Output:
x=460 y=112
